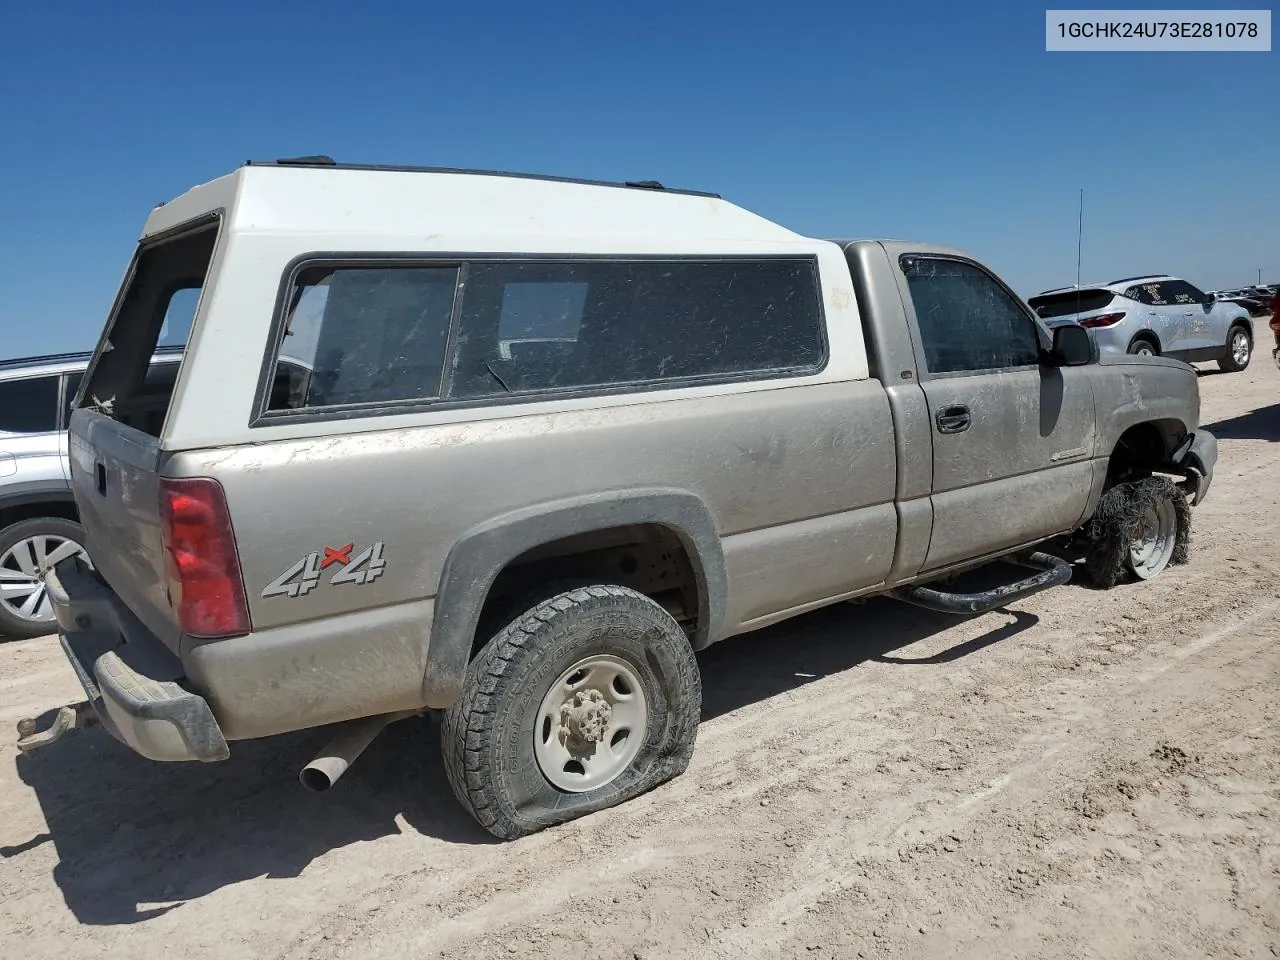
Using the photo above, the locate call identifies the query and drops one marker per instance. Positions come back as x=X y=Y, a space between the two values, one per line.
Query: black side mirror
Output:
x=1210 y=298
x=1072 y=346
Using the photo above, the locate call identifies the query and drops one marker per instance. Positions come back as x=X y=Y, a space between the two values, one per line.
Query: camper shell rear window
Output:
x=154 y=309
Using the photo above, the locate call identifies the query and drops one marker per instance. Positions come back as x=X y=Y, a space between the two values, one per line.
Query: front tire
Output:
x=588 y=699
x=1139 y=528
x=1238 y=351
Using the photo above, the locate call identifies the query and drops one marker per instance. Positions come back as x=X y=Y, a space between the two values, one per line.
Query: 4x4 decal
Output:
x=304 y=576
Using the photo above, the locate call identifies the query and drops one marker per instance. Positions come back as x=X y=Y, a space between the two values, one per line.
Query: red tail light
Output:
x=1102 y=320
x=201 y=560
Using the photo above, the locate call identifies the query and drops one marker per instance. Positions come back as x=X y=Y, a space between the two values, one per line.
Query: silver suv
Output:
x=1154 y=316
x=39 y=525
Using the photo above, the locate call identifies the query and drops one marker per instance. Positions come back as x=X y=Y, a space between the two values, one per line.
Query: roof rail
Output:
x=45 y=358
x=80 y=356
x=328 y=163
x=1141 y=276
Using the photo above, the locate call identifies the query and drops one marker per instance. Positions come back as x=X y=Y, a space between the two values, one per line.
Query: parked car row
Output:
x=1257 y=300
x=1156 y=315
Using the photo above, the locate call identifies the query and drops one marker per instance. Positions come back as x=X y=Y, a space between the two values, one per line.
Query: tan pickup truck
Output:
x=515 y=448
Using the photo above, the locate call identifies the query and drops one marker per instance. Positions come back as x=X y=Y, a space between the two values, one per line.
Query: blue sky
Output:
x=947 y=123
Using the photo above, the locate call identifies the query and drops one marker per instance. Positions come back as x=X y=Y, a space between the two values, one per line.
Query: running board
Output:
x=1054 y=571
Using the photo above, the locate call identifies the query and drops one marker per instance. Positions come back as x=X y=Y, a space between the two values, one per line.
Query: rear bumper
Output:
x=130 y=677
x=1197 y=457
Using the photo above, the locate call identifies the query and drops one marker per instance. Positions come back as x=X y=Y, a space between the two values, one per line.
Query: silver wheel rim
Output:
x=1144 y=350
x=1240 y=347
x=22 y=571
x=591 y=724
x=1154 y=540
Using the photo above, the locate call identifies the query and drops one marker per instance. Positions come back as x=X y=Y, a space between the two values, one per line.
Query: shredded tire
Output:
x=487 y=736
x=1115 y=522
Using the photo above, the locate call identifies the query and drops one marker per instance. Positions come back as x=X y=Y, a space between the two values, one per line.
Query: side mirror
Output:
x=1072 y=346
x=1210 y=298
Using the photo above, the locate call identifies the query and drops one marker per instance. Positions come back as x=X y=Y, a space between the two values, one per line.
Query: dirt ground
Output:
x=1088 y=775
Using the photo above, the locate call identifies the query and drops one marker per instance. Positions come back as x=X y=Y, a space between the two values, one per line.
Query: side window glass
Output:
x=1182 y=293
x=540 y=320
x=364 y=335
x=29 y=406
x=356 y=335
x=967 y=321
x=534 y=326
x=1152 y=294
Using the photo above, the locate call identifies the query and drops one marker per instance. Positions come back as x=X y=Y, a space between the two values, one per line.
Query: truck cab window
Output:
x=968 y=321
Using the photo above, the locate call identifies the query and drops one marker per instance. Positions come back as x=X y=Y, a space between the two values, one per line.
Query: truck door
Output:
x=1013 y=438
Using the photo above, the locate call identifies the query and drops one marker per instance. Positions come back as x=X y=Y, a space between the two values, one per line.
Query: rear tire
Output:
x=635 y=663
x=1139 y=529
x=25 y=547
x=1143 y=347
x=1238 y=351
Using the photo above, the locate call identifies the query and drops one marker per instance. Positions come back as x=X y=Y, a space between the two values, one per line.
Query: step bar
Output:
x=1053 y=572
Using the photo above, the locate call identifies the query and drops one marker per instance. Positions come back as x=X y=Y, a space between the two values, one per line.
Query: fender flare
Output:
x=478 y=556
x=36 y=492
x=1146 y=333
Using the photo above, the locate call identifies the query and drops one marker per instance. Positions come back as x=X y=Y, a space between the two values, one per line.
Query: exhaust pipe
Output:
x=341 y=752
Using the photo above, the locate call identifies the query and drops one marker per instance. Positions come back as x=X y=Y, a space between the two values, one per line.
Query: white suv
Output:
x=39 y=525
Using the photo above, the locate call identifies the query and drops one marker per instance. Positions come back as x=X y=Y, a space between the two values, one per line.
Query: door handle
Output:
x=954 y=419
x=100 y=475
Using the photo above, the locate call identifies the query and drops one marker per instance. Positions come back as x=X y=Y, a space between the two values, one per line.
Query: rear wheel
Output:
x=1143 y=347
x=588 y=699
x=28 y=551
x=1238 y=352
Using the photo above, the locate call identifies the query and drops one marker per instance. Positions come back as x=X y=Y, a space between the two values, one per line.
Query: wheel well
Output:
x=649 y=558
x=65 y=509
x=1243 y=324
x=1150 y=337
x=1143 y=449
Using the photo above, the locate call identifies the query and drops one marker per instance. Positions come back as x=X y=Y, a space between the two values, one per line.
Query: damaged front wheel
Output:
x=1139 y=527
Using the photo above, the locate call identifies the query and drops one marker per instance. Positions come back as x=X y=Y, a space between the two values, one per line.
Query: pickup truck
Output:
x=539 y=442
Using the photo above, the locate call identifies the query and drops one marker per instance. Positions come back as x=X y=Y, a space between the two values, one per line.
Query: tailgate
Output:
x=117 y=490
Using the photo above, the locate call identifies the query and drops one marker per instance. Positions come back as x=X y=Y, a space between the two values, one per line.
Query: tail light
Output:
x=1102 y=320
x=201 y=561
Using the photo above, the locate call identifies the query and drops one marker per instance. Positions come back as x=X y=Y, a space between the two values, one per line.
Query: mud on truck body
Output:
x=539 y=442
